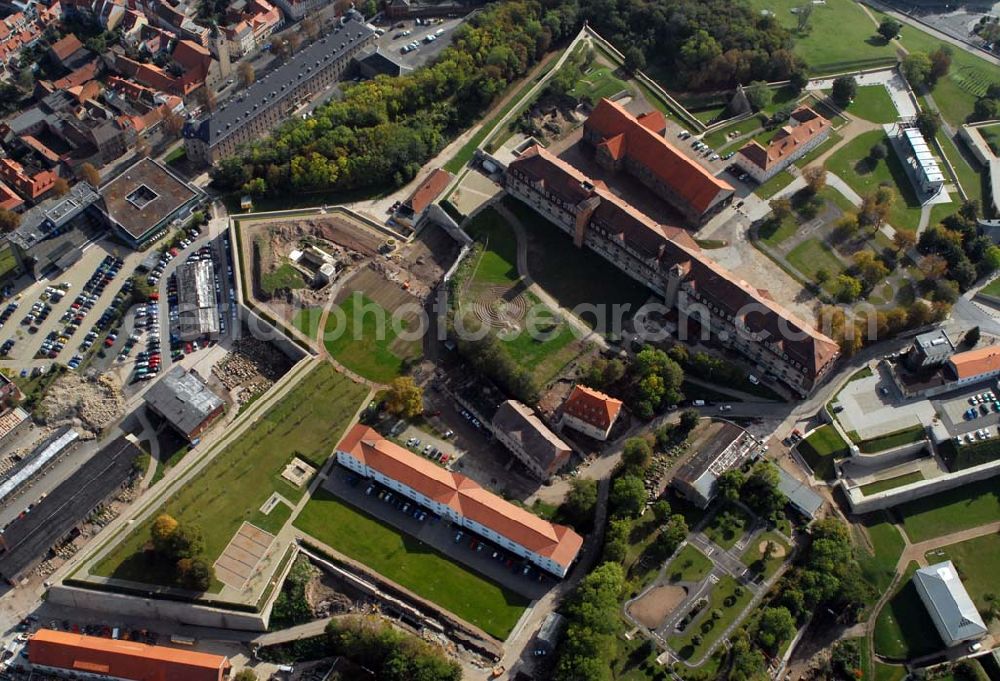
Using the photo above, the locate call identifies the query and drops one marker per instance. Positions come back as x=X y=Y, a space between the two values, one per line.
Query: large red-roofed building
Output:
x=94 y=657
x=590 y=411
x=805 y=131
x=460 y=499
x=638 y=145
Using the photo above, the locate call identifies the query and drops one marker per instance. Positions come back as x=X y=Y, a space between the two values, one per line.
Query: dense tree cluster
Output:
x=655 y=381
x=390 y=654
x=488 y=356
x=987 y=107
x=383 y=130
x=183 y=546
x=969 y=256
x=593 y=624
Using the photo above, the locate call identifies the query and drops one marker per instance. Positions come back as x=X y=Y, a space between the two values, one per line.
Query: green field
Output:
x=412 y=564
x=840 y=34
x=723 y=598
x=897 y=438
x=365 y=348
x=498 y=262
x=753 y=557
x=8 y=260
x=878 y=566
x=891 y=483
x=808 y=158
x=284 y=277
x=811 y=256
x=968 y=176
x=874 y=104
x=773 y=234
x=903 y=629
x=599 y=82
x=821 y=449
x=690 y=565
x=978 y=563
x=991 y=135
x=852 y=163
x=307 y=422
x=992 y=289
x=972 y=505
x=774 y=185
x=307 y=320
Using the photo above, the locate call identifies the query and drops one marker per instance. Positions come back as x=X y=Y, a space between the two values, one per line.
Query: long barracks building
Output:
x=668 y=261
x=459 y=499
x=256 y=110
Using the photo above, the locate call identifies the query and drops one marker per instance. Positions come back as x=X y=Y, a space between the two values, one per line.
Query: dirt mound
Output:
x=778 y=551
x=651 y=609
x=92 y=404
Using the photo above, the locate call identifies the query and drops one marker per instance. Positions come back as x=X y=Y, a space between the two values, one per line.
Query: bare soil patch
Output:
x=651 y=609
x=779 y=550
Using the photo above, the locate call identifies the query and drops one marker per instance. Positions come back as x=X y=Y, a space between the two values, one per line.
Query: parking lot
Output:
x=454 y=542
x=393 y=41
x=972 y=414
x=872 y=406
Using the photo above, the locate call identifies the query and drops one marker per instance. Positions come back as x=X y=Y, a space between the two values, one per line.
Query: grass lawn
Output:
x=753 y=557
x=708 y=115
x=887 y=672
x=903 y=630
x=179 y=153
x=307 y=319
x=821 y=449
x=774 y=185
x=168 y=463
x=840 y=34
x=993 y=288
x=895 y=439
x=891 y=483
x=498 y=262
x=878 y=566
x=811 y=256
x=972 y=505
x=991 y=134
x=723 y=535
x=968 y=176
x=773 y=235
x=719 y=139
x=414 y=565
x=574 y=276
x=546 y=355
x=307 y=422
x=599 y=82
x=722 y=597
x=978 y=562
x=690 y=565
x=820 y=150
x=284 y=277
x=854 y=166
x=363 y=347
x=874 y=104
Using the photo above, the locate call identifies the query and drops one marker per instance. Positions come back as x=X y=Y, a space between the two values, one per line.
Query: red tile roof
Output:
x=428 y=190
x=788 y=140
x=556 y=542
x=648 y=148
x=976 y=362
x=122 y=659
x=66 y=47
x=8 y=198
x=592 y=406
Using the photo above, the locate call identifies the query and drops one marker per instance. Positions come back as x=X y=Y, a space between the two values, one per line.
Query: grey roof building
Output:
x=951 y=609
x=931 y=348
x=184 y=401
x=550 y=631
x=726 y=449
x=800 y=495
x=198 y=314
x=523 y=433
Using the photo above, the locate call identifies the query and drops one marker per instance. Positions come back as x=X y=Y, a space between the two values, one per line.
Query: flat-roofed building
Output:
x=590 y=411
x=726 y=448
x=460 y=499
x=930 y=349
x=948 y=603
x=93 y=657
x=916 y=155
x=520 y=430
x=146 y=199
x=197 y=312
x=186 y=403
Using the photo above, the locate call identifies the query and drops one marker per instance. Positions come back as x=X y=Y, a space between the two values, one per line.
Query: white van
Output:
x=698 y=403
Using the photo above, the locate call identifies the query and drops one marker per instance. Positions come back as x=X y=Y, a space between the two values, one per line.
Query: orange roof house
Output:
x=591 y=411
x=28 y=186
x=9 y=199
x=975 y=364
x=638 y=145
x=804 y=131
x=461 y=498
x=428 y=191
x=67 y=652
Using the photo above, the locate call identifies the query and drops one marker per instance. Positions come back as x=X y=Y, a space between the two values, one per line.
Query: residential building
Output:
x=270 y=100
x=68 y=52
x=423 y=196
x=185 y=402
x=668 y=261
x=637 y=145
x=948 y=603
x=930 y=349
x=590 y=411
x=460 y=499
x=250 y=24
x=725 y=448
x=520 y=430
x=198 y=69
x=804 y=131
x=145 y=199
x=64 y=653
x=9 y=200
x=298 y=9
x=975 y=365
x=198 y=315
x=30 y=185
x=105 y=13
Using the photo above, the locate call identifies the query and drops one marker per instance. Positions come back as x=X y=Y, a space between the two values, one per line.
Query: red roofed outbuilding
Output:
x=591 y=412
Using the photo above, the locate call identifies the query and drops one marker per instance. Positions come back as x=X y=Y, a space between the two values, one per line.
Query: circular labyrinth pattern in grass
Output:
x=497 y=310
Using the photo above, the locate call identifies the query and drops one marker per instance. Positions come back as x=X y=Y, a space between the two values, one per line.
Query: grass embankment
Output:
x=902 y=629
x=891 y=483
x=821 y=449
x=962 y=508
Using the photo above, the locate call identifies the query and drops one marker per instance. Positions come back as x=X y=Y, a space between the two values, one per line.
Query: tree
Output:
x=279 y=48
x=889 y=29
x=310 y=28
x=162 y=531
x=580 y=502
x=760 y=490
x=798 y=81
x=9 y=220
x=940 y=63
x=748 y=663
x=628 y=496
x=969 y=670
x=844 y=90
x=90 y=174
x=848 y=288
x=729 y=484
x=847 y=226
x=971 y=337
x=878 y=151
x=671 y=536
x=775 y=626
x=904 y=240
x=592 y=624
x=295 y=42
x=661 y=510
x=637 y=455
x=404 y=398
x=97 y=44
x=916 y=69
x=815 y=177
x=758 y=94
x=616 y=540
x=246 y=73
x=689 y=419
x=195 y=573
x=871 y=269
x=635 y=59
x=206 y=97
x=928 y=122
x=245 y=675
x=185 y=542
x=781 y=208
x=60 y=187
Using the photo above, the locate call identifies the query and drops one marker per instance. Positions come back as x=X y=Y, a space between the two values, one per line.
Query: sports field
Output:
x=408 y=562
x=307 y=422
